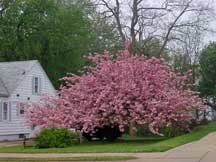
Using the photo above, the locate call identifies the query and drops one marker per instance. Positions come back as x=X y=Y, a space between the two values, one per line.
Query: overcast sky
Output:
x=209 y=36
x=212 y=36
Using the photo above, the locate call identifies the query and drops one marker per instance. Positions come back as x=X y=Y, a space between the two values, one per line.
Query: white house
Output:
x=20 y=82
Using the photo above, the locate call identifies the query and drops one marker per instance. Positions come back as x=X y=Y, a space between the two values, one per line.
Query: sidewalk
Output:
x=200 y=151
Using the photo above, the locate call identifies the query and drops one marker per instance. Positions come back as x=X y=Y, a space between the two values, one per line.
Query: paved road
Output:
x=200 y=151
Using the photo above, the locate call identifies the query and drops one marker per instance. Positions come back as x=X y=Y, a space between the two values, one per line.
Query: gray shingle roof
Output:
x=11 y=74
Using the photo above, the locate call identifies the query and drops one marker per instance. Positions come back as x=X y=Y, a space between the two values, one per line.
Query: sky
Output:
x=211 y=36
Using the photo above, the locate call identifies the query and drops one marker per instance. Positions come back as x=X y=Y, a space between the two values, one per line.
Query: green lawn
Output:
x=98 y=158
x=127 y=145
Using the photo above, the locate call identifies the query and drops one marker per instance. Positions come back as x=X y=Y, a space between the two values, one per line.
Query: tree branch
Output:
x=134 y=19
x=172 y=26
x=116 y=13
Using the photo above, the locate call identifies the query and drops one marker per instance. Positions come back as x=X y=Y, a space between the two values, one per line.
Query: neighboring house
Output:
x=20 y=82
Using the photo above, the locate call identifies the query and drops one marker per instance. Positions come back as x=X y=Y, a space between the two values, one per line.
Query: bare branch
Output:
x=139 y=19
x=172 y=26
x=116 y=13
x=134 y=20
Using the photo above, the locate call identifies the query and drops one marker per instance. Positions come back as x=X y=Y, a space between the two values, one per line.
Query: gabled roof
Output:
x=12 y=73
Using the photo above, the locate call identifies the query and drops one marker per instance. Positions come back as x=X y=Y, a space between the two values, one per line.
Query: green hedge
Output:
x=56 y=138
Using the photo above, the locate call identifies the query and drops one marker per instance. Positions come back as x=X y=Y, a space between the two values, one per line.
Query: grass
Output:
x=69 y=159
x=127 y=145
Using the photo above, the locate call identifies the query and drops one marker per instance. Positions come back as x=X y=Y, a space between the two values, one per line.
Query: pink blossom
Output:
x=117 y=91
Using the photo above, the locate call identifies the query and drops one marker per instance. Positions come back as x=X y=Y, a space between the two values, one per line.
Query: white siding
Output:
x=17 y=124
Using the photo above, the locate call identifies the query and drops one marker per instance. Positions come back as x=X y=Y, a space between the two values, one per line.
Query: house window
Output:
x=22 y=136
x=21 y=109
x=36 y=85
x=5 y=111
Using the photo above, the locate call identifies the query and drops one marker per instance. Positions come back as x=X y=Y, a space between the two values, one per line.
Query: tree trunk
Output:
x=132 y=128
x=80 y=137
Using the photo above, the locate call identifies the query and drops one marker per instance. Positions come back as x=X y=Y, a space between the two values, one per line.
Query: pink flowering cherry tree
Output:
x=117 y=90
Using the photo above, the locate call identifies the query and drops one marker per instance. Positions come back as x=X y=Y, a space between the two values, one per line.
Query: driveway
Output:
x=200 y=151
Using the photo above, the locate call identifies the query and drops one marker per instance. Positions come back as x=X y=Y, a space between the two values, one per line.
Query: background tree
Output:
x=207 y=84
x=56 y=34
x=150 y=47
x=106 y=36
x=165 y=19
x=185 y=52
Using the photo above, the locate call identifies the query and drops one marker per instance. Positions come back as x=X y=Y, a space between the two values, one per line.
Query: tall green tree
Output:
x=207 y=84
x=56 y=34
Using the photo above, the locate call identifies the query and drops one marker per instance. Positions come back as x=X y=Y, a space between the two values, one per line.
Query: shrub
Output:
x=172 y=131
x=56 y=137
x=143 y=130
